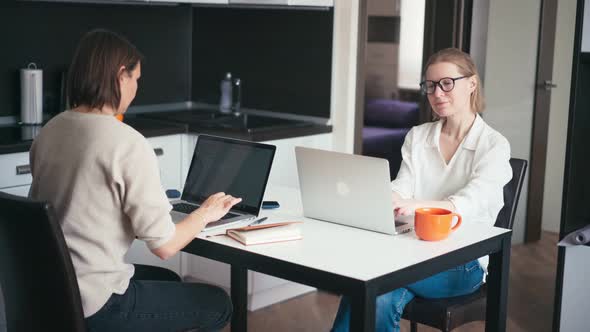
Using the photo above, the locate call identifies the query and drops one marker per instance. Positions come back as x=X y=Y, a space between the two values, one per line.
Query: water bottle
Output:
x=237 y=96
x=225 y=101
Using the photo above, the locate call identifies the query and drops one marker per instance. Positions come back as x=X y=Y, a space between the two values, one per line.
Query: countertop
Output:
x=258 y=128
x=246 y=126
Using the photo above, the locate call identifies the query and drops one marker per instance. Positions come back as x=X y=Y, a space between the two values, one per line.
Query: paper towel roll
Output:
x=31 y=95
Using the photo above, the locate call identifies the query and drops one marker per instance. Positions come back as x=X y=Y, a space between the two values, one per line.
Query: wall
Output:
x=381 y=60
x=47 y=34
x=479 y=31
x=411 y=43
x=510 y=81
x=558 y=114
x=344 y=74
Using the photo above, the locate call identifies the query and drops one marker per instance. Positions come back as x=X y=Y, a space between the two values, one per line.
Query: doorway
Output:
x=394 y=43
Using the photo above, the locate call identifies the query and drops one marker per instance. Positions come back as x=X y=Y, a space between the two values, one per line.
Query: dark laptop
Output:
x=236 y=167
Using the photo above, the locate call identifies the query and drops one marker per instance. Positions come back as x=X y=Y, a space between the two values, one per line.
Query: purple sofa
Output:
x=386 y=124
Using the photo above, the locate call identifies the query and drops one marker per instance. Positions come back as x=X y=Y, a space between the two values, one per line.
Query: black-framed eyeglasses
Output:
x=446 y=84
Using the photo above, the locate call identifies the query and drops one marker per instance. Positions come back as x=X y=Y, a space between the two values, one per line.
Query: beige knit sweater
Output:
x=103 y=180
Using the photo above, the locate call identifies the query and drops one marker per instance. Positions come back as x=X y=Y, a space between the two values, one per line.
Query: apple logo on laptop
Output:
x=342 y=188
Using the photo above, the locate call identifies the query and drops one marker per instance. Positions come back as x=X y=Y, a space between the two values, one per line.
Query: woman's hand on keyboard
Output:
x=216 y=206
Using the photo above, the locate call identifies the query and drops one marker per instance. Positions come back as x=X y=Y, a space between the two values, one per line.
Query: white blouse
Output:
x=473 y=180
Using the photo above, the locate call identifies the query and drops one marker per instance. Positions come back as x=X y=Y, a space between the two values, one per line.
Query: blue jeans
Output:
x=156 y=301
x=462 y=280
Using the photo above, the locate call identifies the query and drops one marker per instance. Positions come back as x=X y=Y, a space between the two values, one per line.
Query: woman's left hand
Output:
x=405 y=207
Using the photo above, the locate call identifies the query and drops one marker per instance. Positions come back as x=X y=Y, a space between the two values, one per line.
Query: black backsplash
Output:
x=47 y=34
x=283 y=57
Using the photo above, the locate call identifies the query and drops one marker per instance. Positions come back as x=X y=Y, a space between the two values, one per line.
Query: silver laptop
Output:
x=347 y=189
x=236 y=167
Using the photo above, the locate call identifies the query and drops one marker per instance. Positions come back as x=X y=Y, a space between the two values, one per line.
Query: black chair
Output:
x=36 y=273
x=448 y=313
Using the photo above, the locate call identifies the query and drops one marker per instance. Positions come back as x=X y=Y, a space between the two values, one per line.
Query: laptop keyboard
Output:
x=188 y=208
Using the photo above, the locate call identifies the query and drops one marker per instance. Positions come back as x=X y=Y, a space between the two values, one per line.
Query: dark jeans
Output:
x=156 y=300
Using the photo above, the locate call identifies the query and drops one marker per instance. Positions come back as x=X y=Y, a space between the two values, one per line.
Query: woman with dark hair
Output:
x=458 y=163
x=103 y=180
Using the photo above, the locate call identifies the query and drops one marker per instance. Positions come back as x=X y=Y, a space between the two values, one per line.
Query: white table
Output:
x=358 y=263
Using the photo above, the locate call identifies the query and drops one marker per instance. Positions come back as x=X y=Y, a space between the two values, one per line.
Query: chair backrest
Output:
x=36 y=273
x=512 y=190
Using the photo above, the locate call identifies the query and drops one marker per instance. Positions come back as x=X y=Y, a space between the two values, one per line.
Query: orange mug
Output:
x=119 y=117
x=433 y=224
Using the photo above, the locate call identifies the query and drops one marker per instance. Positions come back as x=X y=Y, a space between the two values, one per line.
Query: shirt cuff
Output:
x=156 y=242
x=461 y=204
x=398 y=190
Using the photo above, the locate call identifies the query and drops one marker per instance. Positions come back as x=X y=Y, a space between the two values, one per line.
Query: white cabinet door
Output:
x=284 y=166
x=96 y=1
x=169 y=152
x=168 y=149
x=140 y=254
x=307 y=3
x=312 y=3
x=263 y=289
x=15 y=177
x=221 y=2
x=189 y=141
x=15 y=169
x=18 y=191
x=258 y=2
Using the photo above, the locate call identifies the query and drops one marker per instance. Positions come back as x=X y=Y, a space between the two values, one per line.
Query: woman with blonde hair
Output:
x=458 y=163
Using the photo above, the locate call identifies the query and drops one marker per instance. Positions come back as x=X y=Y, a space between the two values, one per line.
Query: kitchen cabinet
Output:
x=312 y=3
x=284 y=166
x=139 y=253
x=96 y=1
x=189 y=142
x=295 y=3
x=263 y=290
x=307 y=3
x=16 y=173
x=168 y=150
x=217 y=2
x=18 y=191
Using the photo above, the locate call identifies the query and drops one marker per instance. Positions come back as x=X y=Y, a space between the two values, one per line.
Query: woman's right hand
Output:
x=216 y=206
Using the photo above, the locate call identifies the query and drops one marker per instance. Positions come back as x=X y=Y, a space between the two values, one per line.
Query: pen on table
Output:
x=258 y=221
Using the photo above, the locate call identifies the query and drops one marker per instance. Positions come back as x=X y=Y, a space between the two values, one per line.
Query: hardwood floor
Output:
x=530 y=298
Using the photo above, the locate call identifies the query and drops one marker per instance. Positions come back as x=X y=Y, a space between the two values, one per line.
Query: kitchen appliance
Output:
x=31 y=95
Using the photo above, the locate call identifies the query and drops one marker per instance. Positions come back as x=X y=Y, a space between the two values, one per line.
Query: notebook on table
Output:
x=267 y=233
x=348 y=189
x=236 y=167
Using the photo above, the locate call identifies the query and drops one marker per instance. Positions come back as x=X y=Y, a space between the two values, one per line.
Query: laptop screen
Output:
x=236 y=167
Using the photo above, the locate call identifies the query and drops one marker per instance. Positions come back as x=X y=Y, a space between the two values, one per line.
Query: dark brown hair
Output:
x=466 y=67
x=93 y=75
